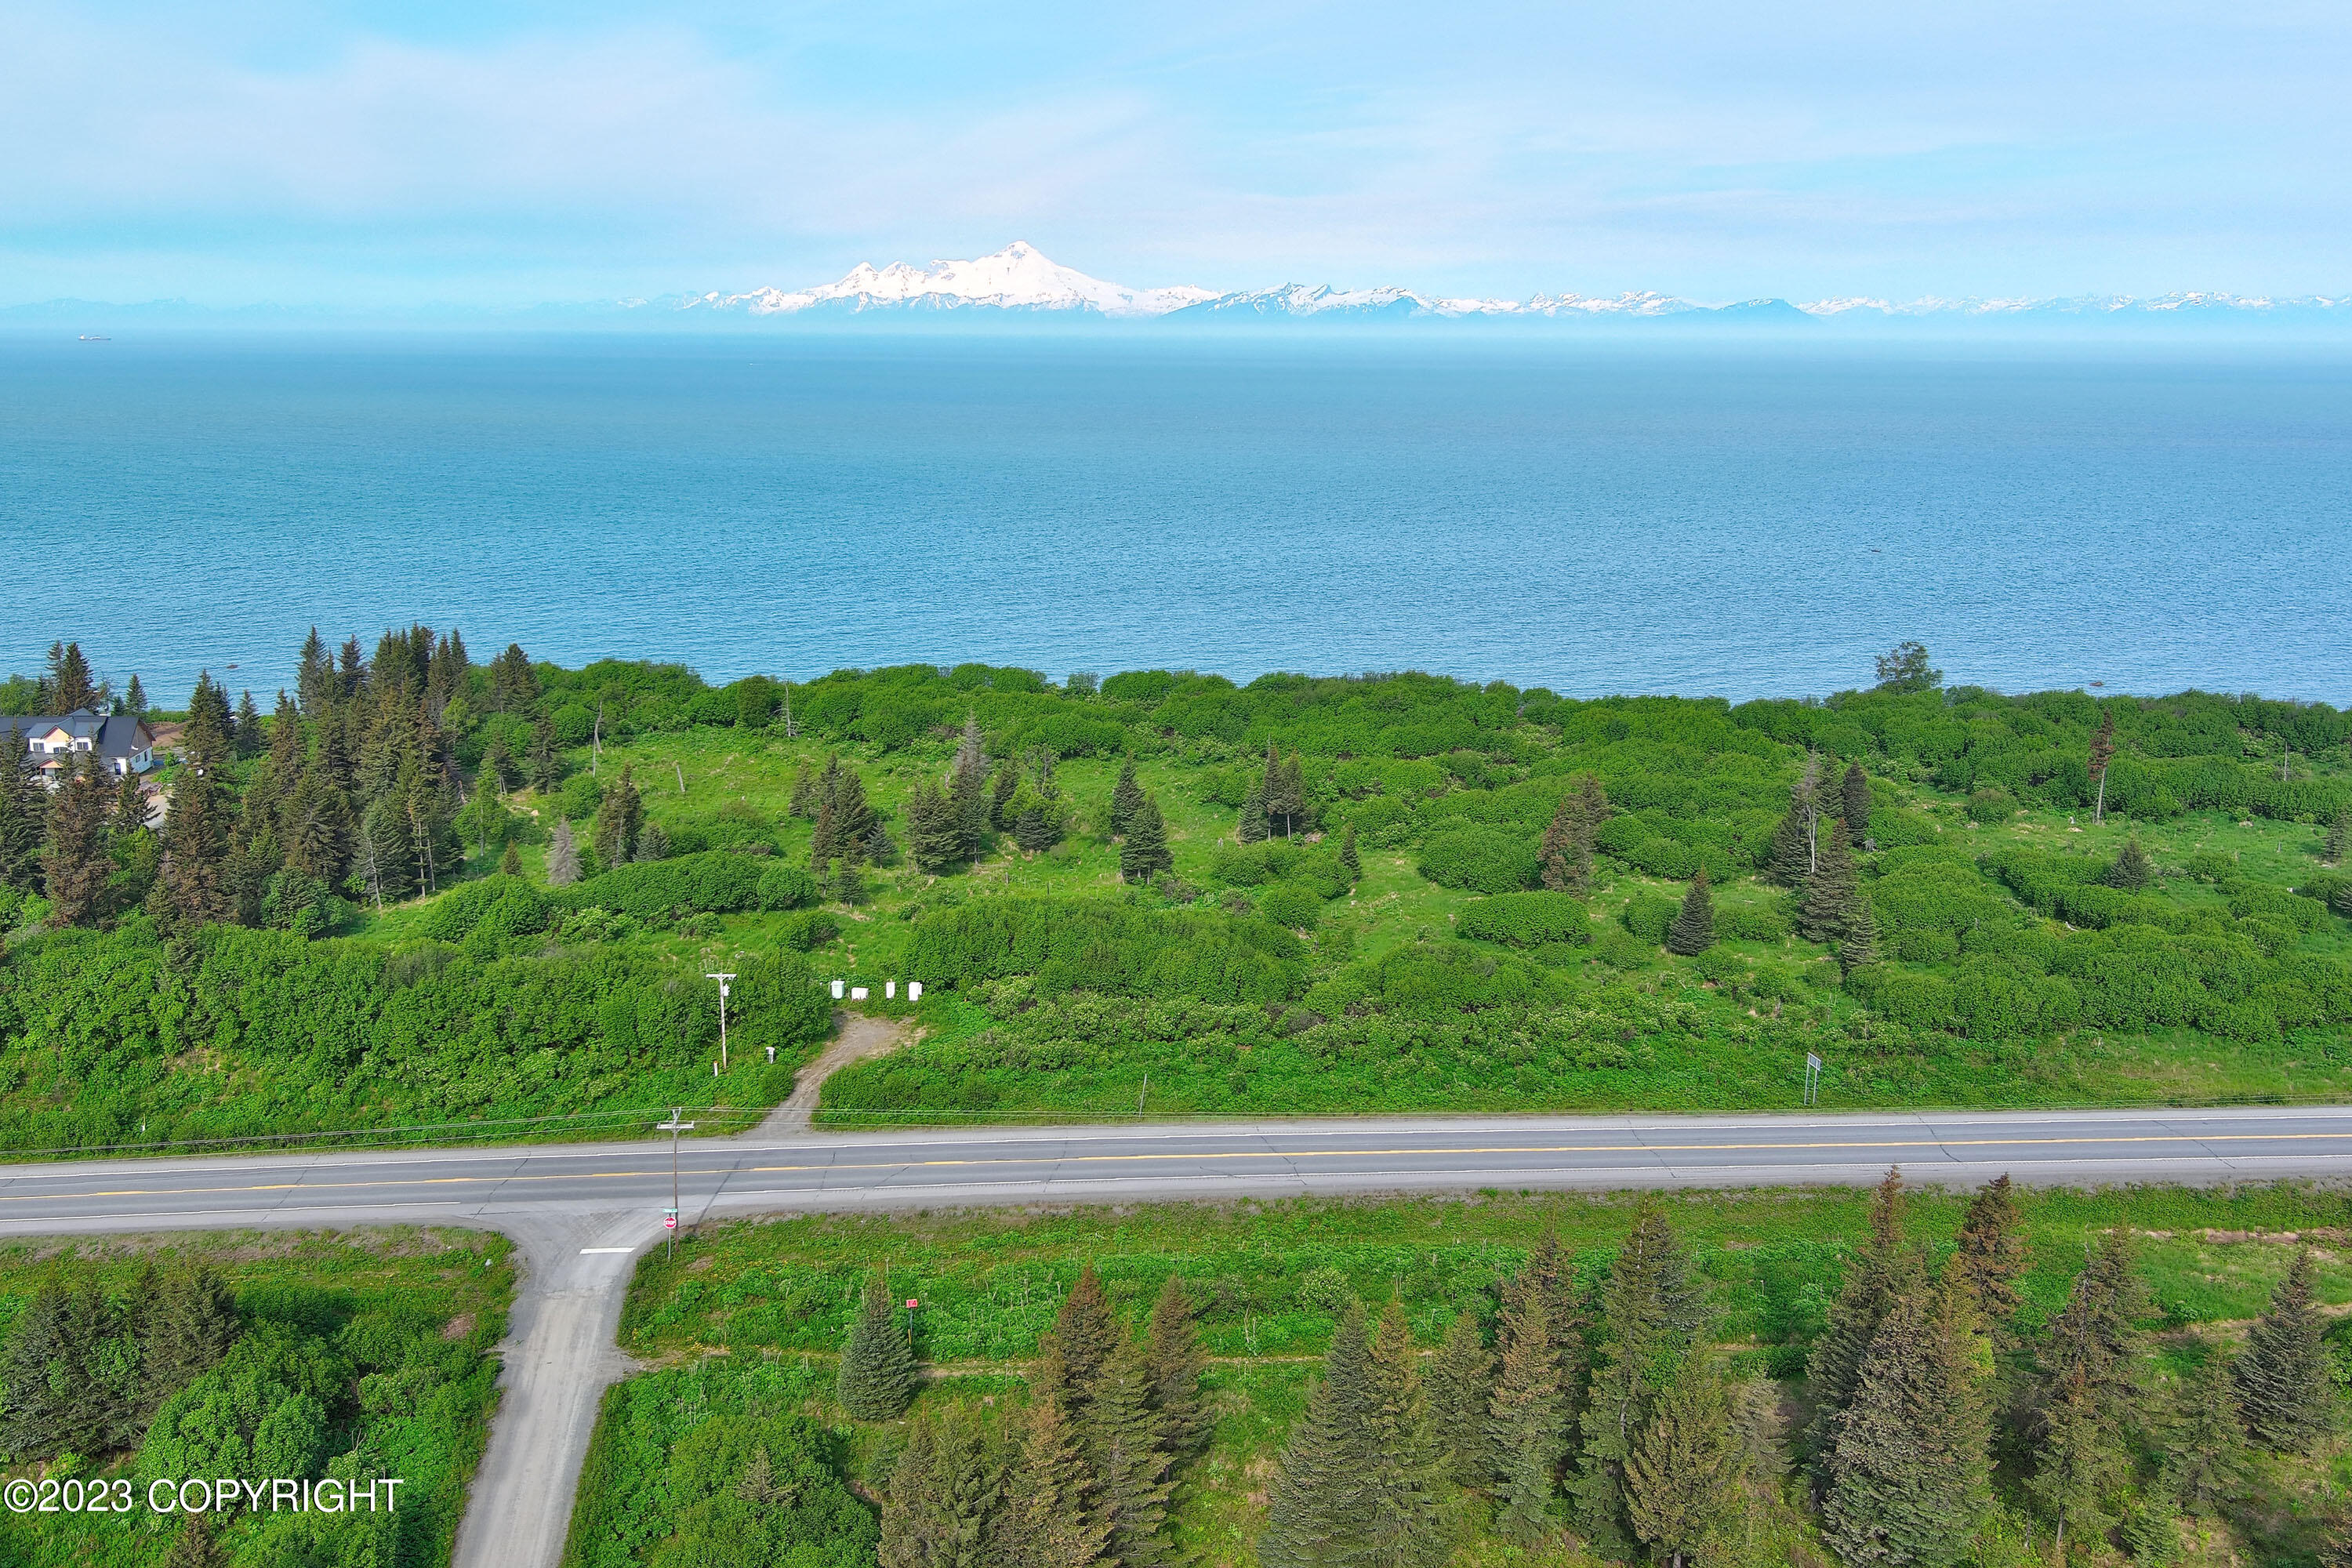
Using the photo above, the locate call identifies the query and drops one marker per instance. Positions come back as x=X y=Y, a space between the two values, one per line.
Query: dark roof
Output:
x=115 y=734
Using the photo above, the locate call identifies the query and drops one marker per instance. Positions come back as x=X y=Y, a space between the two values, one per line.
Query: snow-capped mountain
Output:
x=1017 y=278
x=1021 y=280
x=2086 y=305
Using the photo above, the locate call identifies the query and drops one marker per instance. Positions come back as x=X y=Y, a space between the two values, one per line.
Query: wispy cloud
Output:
x=276 y=148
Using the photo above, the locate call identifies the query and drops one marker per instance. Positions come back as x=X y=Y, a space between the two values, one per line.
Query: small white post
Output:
x=890 y=990
x=722 y=980
x=914 y=990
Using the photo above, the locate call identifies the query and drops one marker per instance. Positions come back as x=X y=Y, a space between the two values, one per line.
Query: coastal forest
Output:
x=135 y=1372
x=419 y=889
x=2002 y=1379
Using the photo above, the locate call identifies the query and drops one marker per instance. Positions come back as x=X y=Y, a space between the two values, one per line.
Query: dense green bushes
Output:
x=714 y=1464
x=1527 y=920
x=1482 y=859
x=347 y=1360
x=1095 y=944
x=295 y=1034
x=713 y=882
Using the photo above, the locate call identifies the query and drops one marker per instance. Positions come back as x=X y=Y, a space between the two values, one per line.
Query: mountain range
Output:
x=1020 y=284
x=1022 y=279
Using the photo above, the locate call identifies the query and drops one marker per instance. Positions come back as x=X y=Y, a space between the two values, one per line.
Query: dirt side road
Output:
x=856 y=1037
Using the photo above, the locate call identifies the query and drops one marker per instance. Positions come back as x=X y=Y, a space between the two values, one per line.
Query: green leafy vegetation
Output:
x=1165 y=890
x=308 y=1357
x=1747 y=1377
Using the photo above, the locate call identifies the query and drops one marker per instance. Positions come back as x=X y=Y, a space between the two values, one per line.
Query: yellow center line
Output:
x=1581 y=1148
x=1205 y=1156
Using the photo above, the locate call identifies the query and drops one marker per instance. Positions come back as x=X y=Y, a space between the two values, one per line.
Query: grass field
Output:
x=752 y=1313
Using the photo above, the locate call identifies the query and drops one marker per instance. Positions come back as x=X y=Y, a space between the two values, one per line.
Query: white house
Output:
x=122 y=742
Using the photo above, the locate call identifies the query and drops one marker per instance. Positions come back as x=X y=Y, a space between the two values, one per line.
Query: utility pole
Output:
x=722 y=980
x=674 y=1126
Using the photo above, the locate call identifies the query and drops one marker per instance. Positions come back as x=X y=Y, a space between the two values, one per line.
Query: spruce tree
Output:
x=191 y=1324
x=1858 y=943
x=1004 y=783
x=804 y=801
x=2149 y=1532
x=134 y=699
x=197 y=1545
x=1407 y=1525
x=1145 y=853
x=2284 y=1389
x=546 y=764
x=497 y=769
x=1524 y=1419
x=1991 y=1253
x=24 y=813
x=69 y=686
x=2205 y=1441
x=1832 y=891
x=1319 y=1505
x=1558 y=850
x=942 y=1503
x=315 y=682
x=877 y=1366
x=1909 y=1469
x=2080 y=1463
x=2133 y=870
x=2339 y=835
x=968 y=791
x=1293 y=798
x=1796 y=842
x=1682 y=1479
x=511 y=862
x=620 y=818
x=1350 y=861
x=1177 y=1363
x=1884 y=1272
x=1853 y=803
x=1125 y=795
x=1253 y=828
x=76 y=865
x=1461 y=1387
x=1131 y=1462
x=1650 y=1315
x=2097 y=1338
x=1692 y=931
x=1087 y=1335
x=934 y=836
x=1049 y=1518
x=247 y=739
x=37 y=1375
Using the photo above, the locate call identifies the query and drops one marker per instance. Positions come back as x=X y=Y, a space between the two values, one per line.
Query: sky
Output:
x=301 y=153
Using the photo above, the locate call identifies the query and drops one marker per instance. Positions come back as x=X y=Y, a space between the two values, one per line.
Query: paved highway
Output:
x=581 y=1213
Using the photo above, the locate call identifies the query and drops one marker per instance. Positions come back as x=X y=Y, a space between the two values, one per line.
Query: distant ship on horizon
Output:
x=96 y=337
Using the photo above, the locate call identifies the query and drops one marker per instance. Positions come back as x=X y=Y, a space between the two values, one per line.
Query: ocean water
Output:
x=1734 y=520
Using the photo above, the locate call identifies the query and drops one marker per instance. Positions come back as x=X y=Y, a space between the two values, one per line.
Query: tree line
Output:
x=1114 y=1417
x=1602 y=1407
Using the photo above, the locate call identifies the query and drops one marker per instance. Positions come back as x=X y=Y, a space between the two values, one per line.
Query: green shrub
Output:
x=714 y=882
x=809 y=929
x=1100 y=944
x=1292 y=904
x=1482 y=859
x=1990 y=805
x=1527 y=920
x=1647 y=916
x=1750 y=922
x=579 y=797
